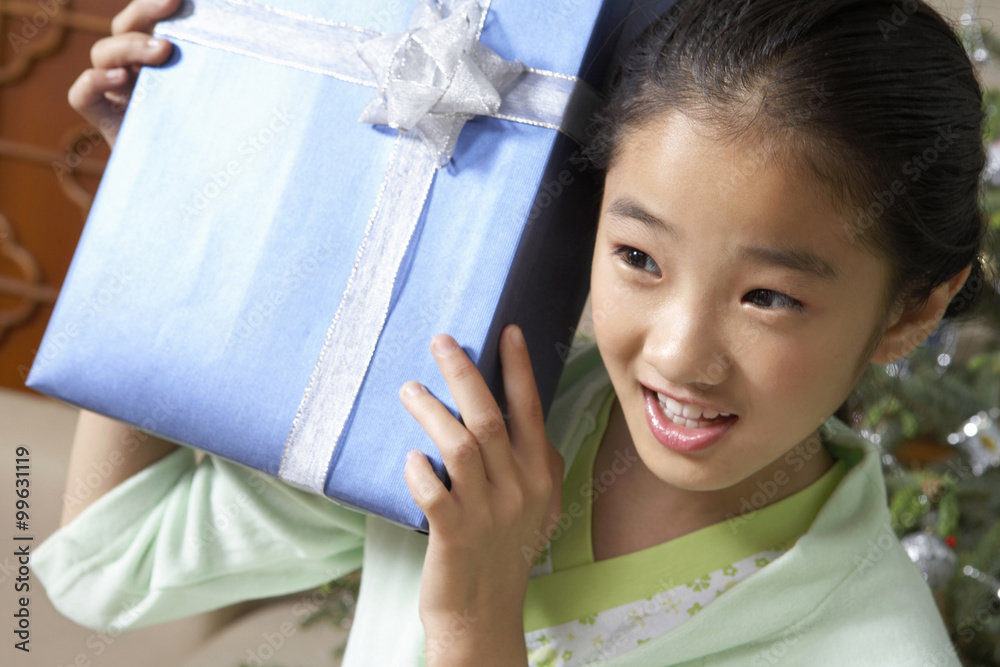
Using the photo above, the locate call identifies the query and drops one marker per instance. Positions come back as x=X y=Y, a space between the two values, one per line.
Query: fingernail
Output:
x=412 y=454
x=516 y=337
x=115 y=75
x=153 y=43
x=413 y=388
x=445 y=344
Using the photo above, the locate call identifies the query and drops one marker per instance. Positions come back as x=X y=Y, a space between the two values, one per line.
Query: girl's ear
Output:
x=910 y=328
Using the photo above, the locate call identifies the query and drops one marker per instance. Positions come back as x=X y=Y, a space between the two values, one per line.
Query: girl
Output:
x=791 y=193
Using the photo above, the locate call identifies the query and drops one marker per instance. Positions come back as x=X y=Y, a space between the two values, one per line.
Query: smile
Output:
x=684 y=428
x=689 y=415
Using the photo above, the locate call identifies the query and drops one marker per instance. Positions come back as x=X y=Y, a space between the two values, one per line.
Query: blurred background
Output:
x=934 y=414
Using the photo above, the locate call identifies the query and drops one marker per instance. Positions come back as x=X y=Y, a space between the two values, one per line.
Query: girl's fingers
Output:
x=101 y=94
x=459 y=448
x=87 y=95
x=429 y=493
x=479 y=410
x=142 y=15
x=134 y=48
x=527 y=421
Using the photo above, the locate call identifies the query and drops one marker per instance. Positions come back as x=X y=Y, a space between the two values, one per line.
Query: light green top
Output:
x=179 y=538
x=578 y=585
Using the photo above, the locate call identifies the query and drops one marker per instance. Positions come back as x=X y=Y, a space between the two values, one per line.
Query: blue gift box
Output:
x=232 y=223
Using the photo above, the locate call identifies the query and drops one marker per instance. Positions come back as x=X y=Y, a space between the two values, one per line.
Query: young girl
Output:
x=791 y=194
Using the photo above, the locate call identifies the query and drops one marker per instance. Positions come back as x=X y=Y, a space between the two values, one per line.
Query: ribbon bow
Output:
x=436 y=75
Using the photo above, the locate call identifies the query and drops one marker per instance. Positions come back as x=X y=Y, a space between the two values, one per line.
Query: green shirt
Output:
x=578 y=611
x=179 y=538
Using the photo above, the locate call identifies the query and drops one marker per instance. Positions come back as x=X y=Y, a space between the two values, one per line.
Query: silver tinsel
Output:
x=979 y=438
x=934 y=558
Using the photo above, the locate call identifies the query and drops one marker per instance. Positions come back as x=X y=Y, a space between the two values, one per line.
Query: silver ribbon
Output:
x=429 y=80
x=435 y=76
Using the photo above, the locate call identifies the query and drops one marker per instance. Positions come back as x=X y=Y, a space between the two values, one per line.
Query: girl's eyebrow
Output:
x=629 y=208
x=802 y=261
x=796 y=259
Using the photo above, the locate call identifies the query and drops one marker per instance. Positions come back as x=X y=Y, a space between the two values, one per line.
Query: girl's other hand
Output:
x=503 y=505
x=100 y=94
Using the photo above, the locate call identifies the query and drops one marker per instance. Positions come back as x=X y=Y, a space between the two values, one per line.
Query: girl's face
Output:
x=721 y=282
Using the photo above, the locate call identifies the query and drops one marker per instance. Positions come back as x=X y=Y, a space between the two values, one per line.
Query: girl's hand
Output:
x=100 y=94
x=503 y=505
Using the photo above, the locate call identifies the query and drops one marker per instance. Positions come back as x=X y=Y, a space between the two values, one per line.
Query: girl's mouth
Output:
x=681 y=433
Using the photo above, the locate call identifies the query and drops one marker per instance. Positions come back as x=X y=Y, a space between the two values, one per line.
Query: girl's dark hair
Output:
x=877 y=99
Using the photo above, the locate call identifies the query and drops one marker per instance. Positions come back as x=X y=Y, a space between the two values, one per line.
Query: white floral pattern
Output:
x=601 y=635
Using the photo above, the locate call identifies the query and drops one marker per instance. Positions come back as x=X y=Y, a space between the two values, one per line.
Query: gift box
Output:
x=302 y=197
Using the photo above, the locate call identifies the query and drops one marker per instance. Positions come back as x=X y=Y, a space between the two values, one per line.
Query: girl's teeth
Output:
x=687 y=415
x=692 y=412
x=680 y=421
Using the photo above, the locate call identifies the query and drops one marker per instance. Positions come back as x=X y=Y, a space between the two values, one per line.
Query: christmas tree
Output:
x=935 y=415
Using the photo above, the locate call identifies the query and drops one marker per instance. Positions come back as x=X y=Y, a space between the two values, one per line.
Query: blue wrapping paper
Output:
x=228 y=219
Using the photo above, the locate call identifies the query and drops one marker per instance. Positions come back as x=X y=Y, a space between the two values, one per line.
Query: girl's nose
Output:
x=684 y=343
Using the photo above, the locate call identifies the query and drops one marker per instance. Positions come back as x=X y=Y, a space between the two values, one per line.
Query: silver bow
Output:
x=436 y=75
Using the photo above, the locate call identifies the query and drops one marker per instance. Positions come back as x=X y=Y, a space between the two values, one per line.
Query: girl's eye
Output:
x=637 y=259
x=766 y=298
